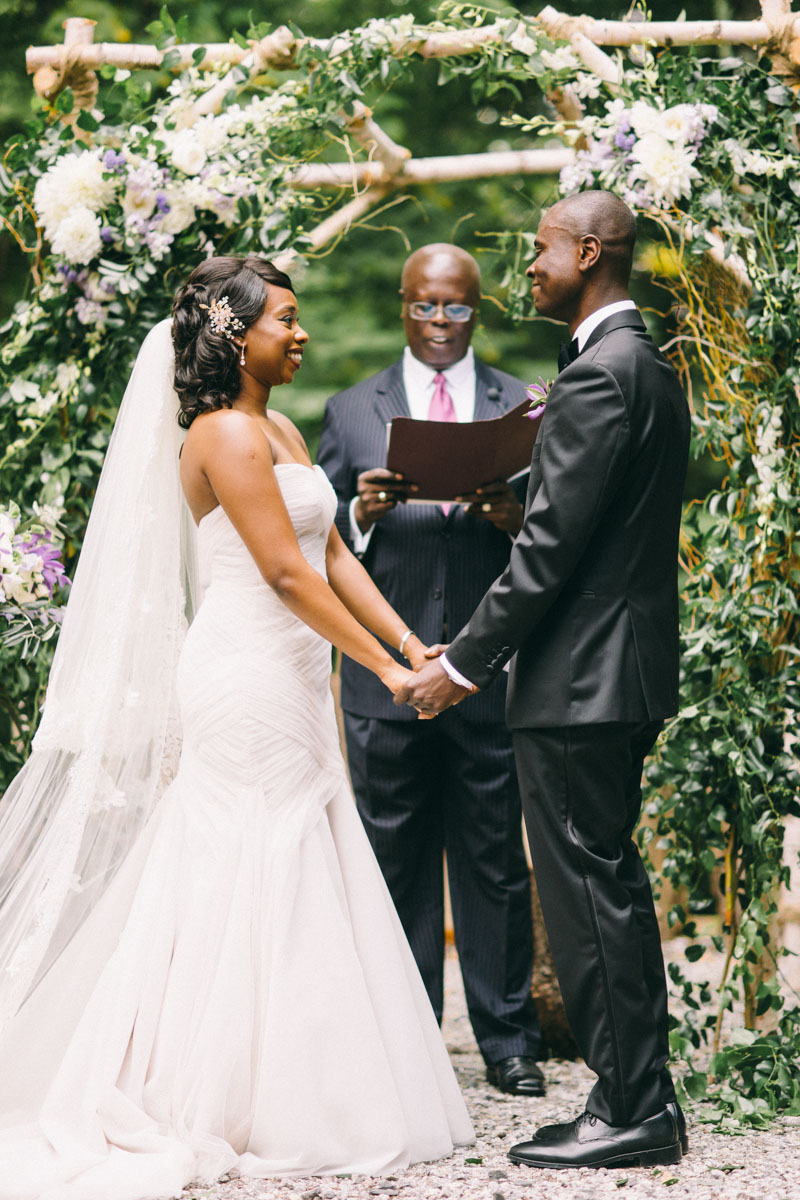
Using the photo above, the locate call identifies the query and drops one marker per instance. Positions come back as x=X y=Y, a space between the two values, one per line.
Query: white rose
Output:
x=188 y=154
x=77 y=238
x=181 y=212
x=74 y=181
x=138 y=202
x=665 y=168
x=676 y=122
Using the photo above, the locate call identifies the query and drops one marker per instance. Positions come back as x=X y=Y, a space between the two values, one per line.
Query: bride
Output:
x=201 y=967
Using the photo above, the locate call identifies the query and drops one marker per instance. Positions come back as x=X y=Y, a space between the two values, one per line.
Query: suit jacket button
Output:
x=437 y=593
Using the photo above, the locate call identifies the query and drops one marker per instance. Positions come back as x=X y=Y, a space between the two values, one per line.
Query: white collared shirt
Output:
x=418 y=382
x=582 y=333
x=587 y=327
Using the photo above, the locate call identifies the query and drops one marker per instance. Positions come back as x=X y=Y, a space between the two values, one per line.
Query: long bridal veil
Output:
x=109 y=739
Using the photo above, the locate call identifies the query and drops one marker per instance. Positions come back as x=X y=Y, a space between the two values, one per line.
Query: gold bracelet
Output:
x=408 y=633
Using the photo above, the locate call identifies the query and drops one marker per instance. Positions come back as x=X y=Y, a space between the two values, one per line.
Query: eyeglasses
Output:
x=420 y=310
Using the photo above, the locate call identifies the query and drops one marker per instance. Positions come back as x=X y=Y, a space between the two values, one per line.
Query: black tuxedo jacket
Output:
x=432 y=569
x=588 y=603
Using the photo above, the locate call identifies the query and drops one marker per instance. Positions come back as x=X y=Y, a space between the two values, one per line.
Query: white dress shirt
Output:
x=582 y=333
x=587 y=327
x=418 y=382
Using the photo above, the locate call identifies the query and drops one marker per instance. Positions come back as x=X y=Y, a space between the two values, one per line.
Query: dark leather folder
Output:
x=448 y=459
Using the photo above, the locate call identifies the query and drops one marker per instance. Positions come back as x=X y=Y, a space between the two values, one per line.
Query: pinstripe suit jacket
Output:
x=432 y=569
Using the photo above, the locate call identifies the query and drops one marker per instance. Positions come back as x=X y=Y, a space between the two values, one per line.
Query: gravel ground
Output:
x=755 y=1166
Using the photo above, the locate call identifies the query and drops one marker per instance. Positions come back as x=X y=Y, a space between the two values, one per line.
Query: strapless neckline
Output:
x=218 y=507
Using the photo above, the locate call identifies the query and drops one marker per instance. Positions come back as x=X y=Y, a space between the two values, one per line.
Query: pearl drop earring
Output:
x=241 y=356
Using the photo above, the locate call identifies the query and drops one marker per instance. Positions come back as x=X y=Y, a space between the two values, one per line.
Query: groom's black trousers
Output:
x=581 y=796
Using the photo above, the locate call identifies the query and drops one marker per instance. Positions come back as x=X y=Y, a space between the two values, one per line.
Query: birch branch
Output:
x=336 y=225
x=277 y=50
x=492 y=164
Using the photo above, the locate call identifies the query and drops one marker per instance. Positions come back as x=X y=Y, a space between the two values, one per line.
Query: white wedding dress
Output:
x=243 y=995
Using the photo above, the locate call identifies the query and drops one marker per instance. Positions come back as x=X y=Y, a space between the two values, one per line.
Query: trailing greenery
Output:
x=116 y=206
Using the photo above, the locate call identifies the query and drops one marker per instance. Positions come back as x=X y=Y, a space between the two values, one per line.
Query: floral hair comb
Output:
x=222 y=318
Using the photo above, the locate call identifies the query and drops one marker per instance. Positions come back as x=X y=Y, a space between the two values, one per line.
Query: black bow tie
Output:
x=567 y=353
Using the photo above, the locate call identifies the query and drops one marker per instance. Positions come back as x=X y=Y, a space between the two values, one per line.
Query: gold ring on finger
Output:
x=383 y=496
x=486 y=507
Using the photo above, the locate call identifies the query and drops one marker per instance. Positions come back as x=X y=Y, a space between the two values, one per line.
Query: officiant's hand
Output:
x=379 y=491
x=496 y=502
x=430 y=690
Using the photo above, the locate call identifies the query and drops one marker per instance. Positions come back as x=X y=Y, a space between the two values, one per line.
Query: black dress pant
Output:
x=581 y=795
x=424 y=787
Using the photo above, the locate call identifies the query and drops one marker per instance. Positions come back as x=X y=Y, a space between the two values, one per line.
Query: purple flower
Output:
x=537 y=394
x=113 y=161
x=162 y=203
x=53 y=572
x=107 y=234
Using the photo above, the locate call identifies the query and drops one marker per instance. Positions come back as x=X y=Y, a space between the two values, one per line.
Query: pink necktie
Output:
x=441 y=409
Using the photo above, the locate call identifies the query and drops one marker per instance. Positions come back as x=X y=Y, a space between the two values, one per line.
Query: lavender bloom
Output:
x=107 y=234
x=113 y=161
x=52 y=571
x=162 y=203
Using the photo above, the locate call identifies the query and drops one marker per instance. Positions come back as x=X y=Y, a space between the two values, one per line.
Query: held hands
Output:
x=430 y=690
x=496 y=502
x=379 y=491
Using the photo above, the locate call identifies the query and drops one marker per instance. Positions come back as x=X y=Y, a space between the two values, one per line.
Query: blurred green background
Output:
x=348 y=298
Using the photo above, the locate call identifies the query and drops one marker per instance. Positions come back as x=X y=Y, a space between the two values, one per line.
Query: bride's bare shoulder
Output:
x=224 y=429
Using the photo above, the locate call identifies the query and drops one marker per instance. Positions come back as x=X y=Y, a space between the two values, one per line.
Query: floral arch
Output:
x=268 y=143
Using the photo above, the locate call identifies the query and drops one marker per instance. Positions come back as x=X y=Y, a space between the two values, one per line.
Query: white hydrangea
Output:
x=77 y=238
x=74 y=181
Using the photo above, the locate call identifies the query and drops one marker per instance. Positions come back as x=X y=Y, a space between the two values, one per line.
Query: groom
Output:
x=588 y=607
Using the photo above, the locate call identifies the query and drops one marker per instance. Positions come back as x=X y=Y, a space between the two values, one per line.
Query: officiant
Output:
x=449 y=785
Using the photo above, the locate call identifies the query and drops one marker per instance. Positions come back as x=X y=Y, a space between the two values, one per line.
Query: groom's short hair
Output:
x=610 y=220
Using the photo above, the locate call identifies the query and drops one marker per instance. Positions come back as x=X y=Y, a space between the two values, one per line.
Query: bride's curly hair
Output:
x=207 y=363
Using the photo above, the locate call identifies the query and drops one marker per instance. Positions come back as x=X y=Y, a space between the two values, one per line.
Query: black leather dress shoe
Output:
x=589 y=1142
x=518 y=1074
x=680 y=1121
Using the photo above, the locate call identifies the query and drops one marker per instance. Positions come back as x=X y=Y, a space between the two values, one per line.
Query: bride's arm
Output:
x=236 y=459
x=355 y=588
